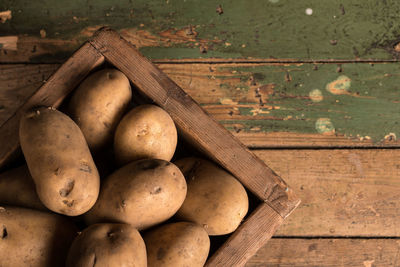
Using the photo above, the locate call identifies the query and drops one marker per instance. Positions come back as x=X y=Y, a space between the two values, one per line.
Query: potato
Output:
x=59 y=161
x=177 y=244
x=142 y=194
x=98 y=104
x=108 y=245
x=215 y=199
x=34 y=238
x=147 y=131
x=17 y=189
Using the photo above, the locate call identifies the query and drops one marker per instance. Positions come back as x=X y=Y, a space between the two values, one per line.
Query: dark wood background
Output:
x=312 y=86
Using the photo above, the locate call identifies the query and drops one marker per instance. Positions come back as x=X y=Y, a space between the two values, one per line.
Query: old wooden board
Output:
x=39 y=31
x=270 y=105
x=347 y=192
x=328 y=252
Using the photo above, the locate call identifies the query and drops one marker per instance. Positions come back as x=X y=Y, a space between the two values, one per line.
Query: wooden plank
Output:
x=48 y=31
x=284 y=252
x=287 y=116
x=18 y=83
x=359 y=102
x=82 y=62
x=248 y=238
x=195 y=124
x=346 y=192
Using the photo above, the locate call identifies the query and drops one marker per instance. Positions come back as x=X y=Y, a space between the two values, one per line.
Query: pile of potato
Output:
x=147 y=212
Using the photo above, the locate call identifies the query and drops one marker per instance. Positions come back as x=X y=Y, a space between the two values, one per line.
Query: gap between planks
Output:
x=233 y=61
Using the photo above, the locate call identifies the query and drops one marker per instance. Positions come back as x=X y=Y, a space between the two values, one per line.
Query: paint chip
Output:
x=203 y=49
x=397 y=47
x=368 y=263
x=309 y=11
x=219 y=10
x=340 y=86
x=325 y=126
x=5 y=15
x=274 y=1
x=227 y=101
x=257 y=111
x=391 y=137
x=333 y=42
x=316 y=95
x=9 y=43
x=43 y=33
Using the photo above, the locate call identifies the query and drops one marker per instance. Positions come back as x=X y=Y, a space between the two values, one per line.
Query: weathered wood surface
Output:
x=346 y=192
x=17 y=83
x=256 y=102
x=251 y=235
x=49 y=31
x=328 y=253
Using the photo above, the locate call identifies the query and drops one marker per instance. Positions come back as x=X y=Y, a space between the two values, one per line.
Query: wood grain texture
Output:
x=355 y=29
x=281 y=252
x=251 y=235
x=50 y=94
x=349 y=192
x=195 y=124
x=262 y=109
x=18 y=83
x=359 y=102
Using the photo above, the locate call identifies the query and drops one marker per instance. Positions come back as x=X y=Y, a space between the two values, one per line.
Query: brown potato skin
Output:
x=34 y=238
x=108 y=245
x=215 y=199
x=177 y=244
x=98 y=104
x=59 y=160
x=147 y=131
x=17 y=189
x=142 y=194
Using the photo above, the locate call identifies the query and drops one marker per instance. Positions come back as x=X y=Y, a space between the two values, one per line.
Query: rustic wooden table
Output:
x=312 y=86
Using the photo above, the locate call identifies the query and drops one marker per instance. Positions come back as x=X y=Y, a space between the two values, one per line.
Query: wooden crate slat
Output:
x=64 y=81
x=254 y=232
x=193 y=121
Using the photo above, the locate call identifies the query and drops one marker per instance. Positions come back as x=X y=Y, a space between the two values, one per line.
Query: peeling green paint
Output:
x=246 y=29
x=316 y=95
x=324 y=126
x=372 y=110
x=340 y=86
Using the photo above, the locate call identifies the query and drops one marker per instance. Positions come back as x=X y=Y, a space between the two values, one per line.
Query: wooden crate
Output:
x=194 y=124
